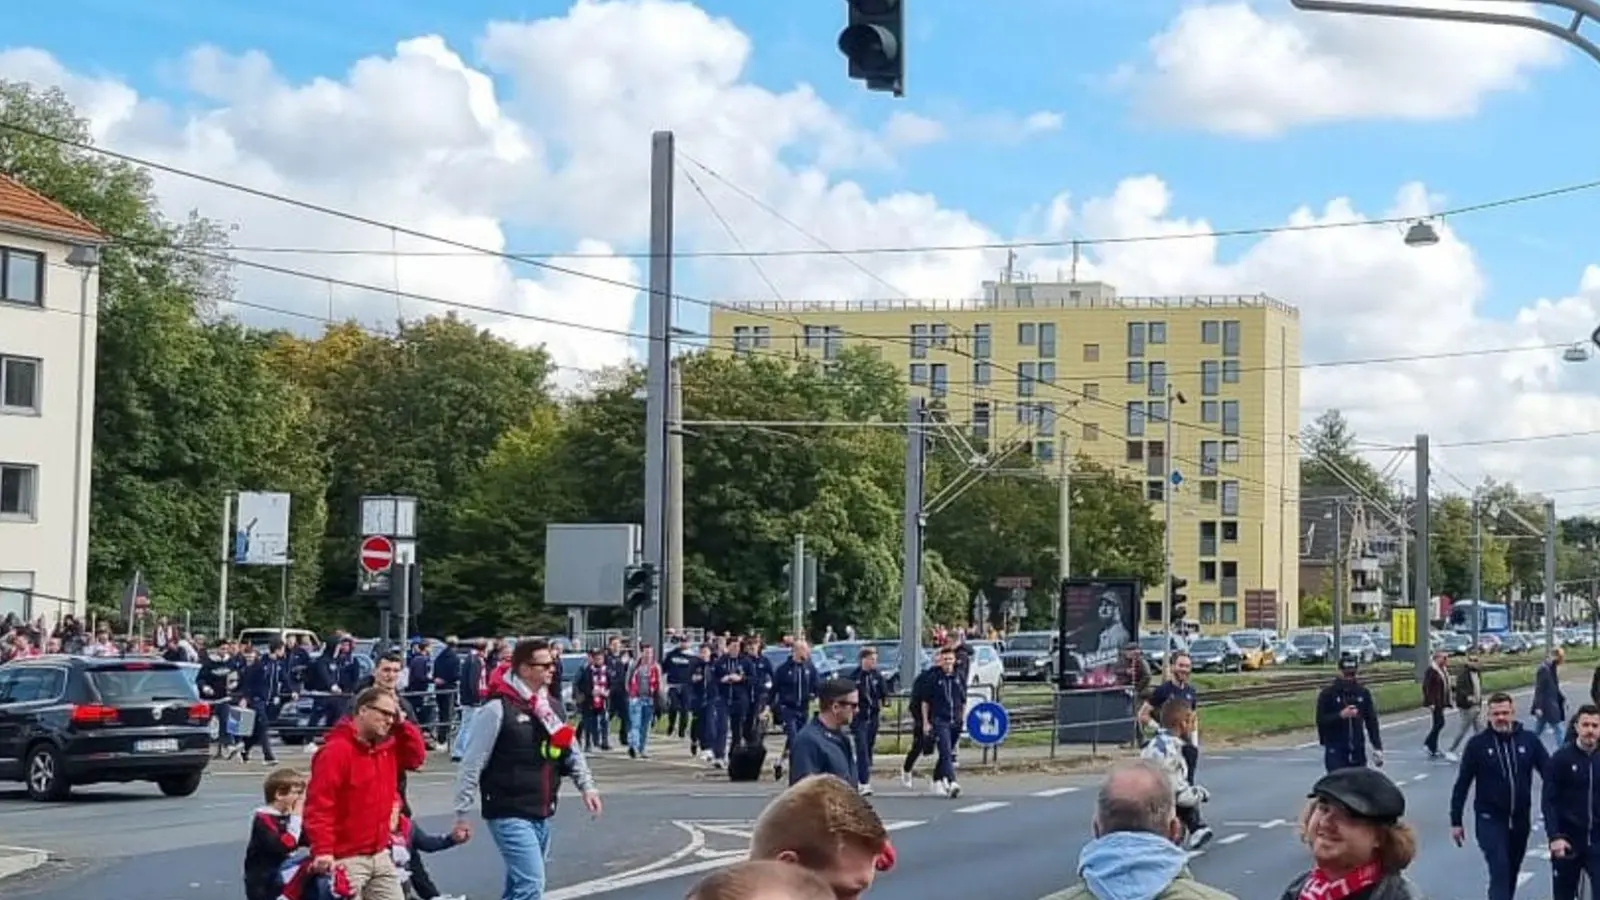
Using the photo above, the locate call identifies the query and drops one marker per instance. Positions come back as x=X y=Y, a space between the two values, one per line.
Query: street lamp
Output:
x=1421 y=234
x=1580 y=9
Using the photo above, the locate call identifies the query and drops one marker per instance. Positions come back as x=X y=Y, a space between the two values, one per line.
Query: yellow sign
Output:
x=1403 y=627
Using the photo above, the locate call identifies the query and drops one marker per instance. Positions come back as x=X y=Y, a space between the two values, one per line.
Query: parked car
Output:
x=1156 y=647
x=987 y=671
x=1257 y=651
x=1312 y=647
x=1358 y=645
x=1216 y=654
x=1455 y=644
x=1281 y=651
x=1384 y=646
x=70 y=720
x=1030 y=656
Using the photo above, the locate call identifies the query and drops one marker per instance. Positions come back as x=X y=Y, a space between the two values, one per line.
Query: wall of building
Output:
x=1090 y=390
x=48 y=549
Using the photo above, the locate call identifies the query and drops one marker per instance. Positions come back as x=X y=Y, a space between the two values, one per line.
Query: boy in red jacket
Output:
x=353 y=790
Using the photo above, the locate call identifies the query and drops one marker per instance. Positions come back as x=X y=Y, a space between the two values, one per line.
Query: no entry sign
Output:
x=377 y=554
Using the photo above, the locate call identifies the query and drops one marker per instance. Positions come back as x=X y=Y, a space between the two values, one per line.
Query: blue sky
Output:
x=1021 y=55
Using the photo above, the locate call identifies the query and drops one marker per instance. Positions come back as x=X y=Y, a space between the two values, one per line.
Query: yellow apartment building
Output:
x=1072 y=368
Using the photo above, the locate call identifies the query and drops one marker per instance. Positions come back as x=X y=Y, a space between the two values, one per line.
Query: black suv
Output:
x=67 y=720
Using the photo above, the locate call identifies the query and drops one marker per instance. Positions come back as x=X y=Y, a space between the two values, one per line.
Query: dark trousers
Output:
x=446 y=698
x=1431 y=742
x=1191 y=759
x=261 y=736
x=866 y=740
x=1344 y=758
x=921 y=745
x=619 y=712
x=1191 y=819
x=1504 y=844
x=793 y=720
x=750 y=725
x=738 y=724
x=1565 y=872
x=595 y=732
x=677 y=710
x=697 y=728
x=944 y=738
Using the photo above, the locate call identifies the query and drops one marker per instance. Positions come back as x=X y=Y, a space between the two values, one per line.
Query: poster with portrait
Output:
x=1099 y=616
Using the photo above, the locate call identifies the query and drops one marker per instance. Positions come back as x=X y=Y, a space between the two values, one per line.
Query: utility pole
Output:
x=1477 y=566
x=797 y=589
x=675 y=498
x=1167 y=488
x=911 y=552
x=224 y=562
x=1550 y=588
x=659 y=356
x=1405 y=556
x=1341 y=565
x=1422 y=596
x=1064 y=502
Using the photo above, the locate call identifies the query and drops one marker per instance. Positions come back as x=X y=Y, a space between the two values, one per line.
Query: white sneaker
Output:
x=866 y=790
x=955 y=789
x=941 y=789
x=907 y=780
x=1450 y=756
x=705 y=756
x=1200 y=838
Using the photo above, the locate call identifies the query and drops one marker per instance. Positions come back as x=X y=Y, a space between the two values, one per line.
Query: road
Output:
x=1006 y=838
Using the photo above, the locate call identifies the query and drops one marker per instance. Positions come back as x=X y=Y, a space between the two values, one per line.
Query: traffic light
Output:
x=874 y=43
x=1176 y=599
x=638 y=586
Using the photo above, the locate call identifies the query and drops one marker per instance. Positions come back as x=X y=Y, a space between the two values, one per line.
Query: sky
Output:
x=525 y=127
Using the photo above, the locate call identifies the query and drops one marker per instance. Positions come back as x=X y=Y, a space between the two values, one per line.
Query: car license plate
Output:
x=159 y=745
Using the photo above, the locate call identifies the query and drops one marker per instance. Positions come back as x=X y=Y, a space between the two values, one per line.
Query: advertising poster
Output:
x=1098 y=618
x=261 y=530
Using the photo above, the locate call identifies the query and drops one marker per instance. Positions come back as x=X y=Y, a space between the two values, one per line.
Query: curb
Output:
x=17 y=860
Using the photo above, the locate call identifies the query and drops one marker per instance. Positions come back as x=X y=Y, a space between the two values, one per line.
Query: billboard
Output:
x=261 y=530
x=1099 y=616
x=584 y=565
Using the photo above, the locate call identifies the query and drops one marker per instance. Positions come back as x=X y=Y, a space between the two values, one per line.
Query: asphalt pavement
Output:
x=667 y=822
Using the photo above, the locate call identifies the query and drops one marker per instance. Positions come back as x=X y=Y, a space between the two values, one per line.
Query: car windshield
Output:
x=840 y=653
x=1352 y=639
x=1029 y=642
x=1381 y=642
x=888 y=654
x=1204 y=645
x=142 y=684
x=1310 y=640
x=1247 y=641
x=1153 y=642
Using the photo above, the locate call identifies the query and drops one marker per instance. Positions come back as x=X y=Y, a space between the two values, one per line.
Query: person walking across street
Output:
x=1468 y=690
x=874 y=689
x=263 y=687
x=447 y=689
x=947 y=698
x=1436 y=697
x=387 y=677
x=1498 y=768
x=1347 y=718
x=645 y=696
x=473 y=687
x=352 y=792
x=513 y=767
x=1549 y=704
x=698 y=695
x=794 y=685
x=1177 y=684
x=678 y=663
x=921 y=733
x=1570 y=796
x=821 y=746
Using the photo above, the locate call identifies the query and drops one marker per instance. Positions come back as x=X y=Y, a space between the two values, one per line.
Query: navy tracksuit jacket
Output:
x=1501 y=766
x=1571 y=805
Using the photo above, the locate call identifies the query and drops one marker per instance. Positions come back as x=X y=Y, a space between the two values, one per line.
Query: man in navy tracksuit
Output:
x=1571 y=804
x=874 y=693
x=793 y=687
x=447 y=687
x=263 y=687
x=760 y=672
x=725 y=673
x=741 y=696
x=678 y=663
x=1501 y=760
x=1346 y=718
x=946 y=701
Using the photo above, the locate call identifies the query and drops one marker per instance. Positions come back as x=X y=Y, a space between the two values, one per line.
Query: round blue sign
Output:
x=987 y=723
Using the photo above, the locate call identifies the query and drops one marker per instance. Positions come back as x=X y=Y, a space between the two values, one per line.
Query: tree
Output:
x=1315 y=611
x=1451 y=566
x=1330 y=457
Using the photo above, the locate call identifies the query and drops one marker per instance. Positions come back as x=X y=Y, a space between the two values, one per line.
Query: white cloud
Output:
x=1234 y=68
x=549 y=135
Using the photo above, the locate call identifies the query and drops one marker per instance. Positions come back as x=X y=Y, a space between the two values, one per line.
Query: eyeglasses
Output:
x=390 y=714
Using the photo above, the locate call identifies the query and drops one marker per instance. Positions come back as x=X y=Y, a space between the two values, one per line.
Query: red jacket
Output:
x=497 y=678
x=354 y=786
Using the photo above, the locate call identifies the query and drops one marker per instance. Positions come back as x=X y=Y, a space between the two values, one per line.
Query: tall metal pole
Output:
x=283 y=596
x=911 y=551
x=1422 y=595
x=1477 y=567
x=1166 y=503
x=223 y=565
x=1405 y=558
x=1340 y=567
x=1550 y=587
x=675 y=498
x=797 y=589
x=1064 y=502
x=657 y=376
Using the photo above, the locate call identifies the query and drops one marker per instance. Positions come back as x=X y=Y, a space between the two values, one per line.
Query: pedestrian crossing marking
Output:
x=1272 y=824
x=1056 y=792
x=1232 y=839
x=1523 y=878
x=983 y=807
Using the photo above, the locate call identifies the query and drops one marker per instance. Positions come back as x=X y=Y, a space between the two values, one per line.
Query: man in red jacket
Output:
x=353 y=790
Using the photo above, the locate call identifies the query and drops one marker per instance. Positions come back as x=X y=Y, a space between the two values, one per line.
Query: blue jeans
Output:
x=1504 y=844
x=944 y=736
x=715 y=738
x=641 y=716
x=523 y=845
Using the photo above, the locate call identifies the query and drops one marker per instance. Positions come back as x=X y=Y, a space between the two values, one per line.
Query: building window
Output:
x=1027 y=374
x=1044 y=451
x=1135 y=419
x=1230 y=451
x=1025 y=414
x=1230 y=337
x=980 y=419
x=1208 y=458
x=1047 y=340
x=1208 y=492
x=1047 y=419
x=1230 y=615
x=1047 y=373
x=761 y=336
x=1158 y=411
x=1230 y=579
x=815 y=335
x=1230 y=417
x=1230 y=532
x=1091 y=431
x=16 y=595
x=1135 y=338
x=981 y=341
x=1027 y=334
x=1155 y=459
x=1210 y=411
x=1136 y=372
x=21 y=276
x=1024 y=295
x=1154 y=611
x=742 y=342
x=1091 y=390
x=1208 y=572
x=1135 y=451
x=1230 y=498
x=1158 y=333
x=919 y=373
x=941 y=335
x=832 y=342
x=1208 y=539
x=919 y=342
x=982 y=372
x=1208 y=612
x=1153 y=490
x=1158 y=380
x=19 y=384
x=1211 y=332
x=1230 y=371
x=1210 y=378
x=19 y=491
x=941 y=380
x=1091 y=352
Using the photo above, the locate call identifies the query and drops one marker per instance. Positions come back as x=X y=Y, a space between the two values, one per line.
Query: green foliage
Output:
x=1330 y=457
x=1315 y=611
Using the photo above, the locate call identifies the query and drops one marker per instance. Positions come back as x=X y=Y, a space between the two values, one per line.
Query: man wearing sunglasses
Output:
x=821 y=746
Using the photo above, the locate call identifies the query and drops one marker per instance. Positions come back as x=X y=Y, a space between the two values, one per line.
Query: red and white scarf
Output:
x=1320 y=886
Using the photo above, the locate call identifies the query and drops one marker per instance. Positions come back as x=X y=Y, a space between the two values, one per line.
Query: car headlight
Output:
x=1040 y=663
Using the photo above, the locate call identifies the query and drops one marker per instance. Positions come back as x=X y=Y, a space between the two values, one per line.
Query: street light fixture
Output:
x=1580 y=9
x=1421 y=234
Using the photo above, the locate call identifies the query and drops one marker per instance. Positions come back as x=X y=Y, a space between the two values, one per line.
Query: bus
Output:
x=1493 y=618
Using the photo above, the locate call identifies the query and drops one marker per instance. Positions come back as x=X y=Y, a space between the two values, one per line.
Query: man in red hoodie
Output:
x=353 y=790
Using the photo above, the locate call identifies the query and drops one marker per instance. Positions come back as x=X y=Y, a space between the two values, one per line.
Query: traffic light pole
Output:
x=657 y=372
x=911 y=552
x=1422 y=594
x=1167 y=488
x=797 y=589
x=1340 y=567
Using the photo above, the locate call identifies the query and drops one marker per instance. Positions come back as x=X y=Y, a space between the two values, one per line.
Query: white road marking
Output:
x=1232 y=839
x=1056 y=792
x=1272 y=824
x=1419 y=776
x=1523 y=878
x=1196 y=853
x=983 y=807
x=1308 y=745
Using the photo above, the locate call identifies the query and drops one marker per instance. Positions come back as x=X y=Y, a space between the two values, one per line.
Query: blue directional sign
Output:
x=1177 y=478
x=987 y=723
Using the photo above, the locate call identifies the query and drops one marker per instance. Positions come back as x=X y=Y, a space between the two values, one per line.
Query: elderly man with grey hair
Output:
x=1135 y=854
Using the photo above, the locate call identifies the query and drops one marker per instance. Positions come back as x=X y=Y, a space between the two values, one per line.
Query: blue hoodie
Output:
x=1130 y=865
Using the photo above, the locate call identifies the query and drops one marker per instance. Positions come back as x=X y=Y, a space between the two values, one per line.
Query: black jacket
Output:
x=818 y=750
x=1338 y=733
x=273 y=837
x=872 y=689
x=1502 y=766
x=1570 y=799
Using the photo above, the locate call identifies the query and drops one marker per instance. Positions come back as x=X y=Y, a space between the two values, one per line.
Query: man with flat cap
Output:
x=1359 y=845
x=1347 y=718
